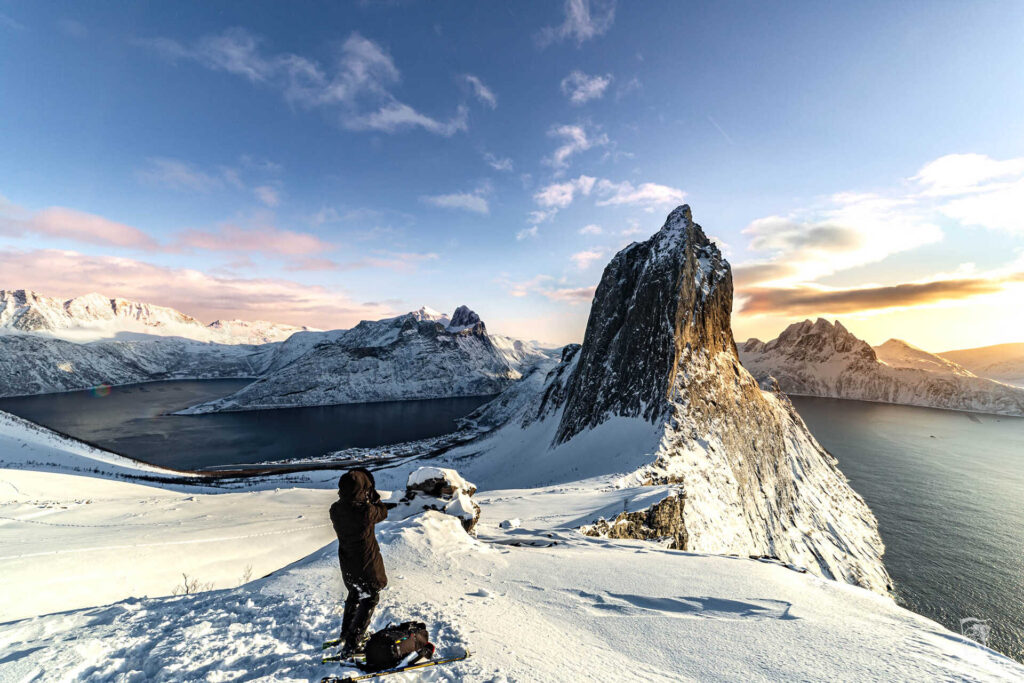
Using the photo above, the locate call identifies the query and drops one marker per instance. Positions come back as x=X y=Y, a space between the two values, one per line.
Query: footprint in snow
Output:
x=622 y=604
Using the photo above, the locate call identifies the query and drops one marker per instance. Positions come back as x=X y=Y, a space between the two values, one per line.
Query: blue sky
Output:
x=322 y=163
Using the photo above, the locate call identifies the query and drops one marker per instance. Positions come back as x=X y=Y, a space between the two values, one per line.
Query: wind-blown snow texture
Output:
x=825 y=359
x=657 y=392
x=413 y=356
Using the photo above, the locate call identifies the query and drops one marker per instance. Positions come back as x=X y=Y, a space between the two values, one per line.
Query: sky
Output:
x=324 y=163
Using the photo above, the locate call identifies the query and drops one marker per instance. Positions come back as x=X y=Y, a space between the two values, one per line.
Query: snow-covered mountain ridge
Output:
x=51 y=345
x=1002 y=362
x=93 y=316
x=825 y=359
x=418 y=355
x=656 y=395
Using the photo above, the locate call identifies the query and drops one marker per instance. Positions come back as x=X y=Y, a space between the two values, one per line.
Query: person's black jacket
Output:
x=355 y=513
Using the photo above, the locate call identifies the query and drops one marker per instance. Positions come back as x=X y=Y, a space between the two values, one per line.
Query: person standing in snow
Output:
x=354 y=515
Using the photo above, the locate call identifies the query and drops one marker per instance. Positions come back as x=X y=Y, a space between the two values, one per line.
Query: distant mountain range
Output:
x=824 y=359
x=52 y=345
x=1002 y=362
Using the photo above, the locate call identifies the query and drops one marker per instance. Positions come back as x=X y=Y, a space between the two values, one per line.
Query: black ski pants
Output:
x=359 y=605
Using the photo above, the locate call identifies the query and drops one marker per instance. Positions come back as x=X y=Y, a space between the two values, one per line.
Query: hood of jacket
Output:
x=356 y=485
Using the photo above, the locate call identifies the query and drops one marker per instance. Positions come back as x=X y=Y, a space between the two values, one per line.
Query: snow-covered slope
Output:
x=825 y=359
x=94 y=316
x=1002 y=362
x=656 y=393
x=413 y=356
x=535 y=603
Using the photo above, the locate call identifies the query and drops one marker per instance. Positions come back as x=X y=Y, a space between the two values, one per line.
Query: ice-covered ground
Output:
x=534 y=602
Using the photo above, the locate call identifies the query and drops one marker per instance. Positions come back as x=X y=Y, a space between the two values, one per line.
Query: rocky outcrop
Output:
x=658 y=363
x=440 y=489
x=825 y=359
x=661 y=522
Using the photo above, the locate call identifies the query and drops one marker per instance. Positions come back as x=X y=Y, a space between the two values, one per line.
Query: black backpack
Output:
x=391 y=646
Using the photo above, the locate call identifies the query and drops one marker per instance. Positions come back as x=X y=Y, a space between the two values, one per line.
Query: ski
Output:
x=354 y=658
x=328 y=644
x=387 y=672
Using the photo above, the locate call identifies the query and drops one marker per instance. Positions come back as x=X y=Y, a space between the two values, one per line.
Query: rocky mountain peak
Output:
x=465 y=319
x=657 y=302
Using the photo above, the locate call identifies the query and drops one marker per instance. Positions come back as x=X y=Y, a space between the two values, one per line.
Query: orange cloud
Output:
x=808 y=301
x=58 y=221
x=264 y=239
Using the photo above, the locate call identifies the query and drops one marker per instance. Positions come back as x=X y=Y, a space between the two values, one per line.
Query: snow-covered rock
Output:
x=656 y=395
x=1002 y=362
x=825 y=359
x=413 y=356
x=442 y=490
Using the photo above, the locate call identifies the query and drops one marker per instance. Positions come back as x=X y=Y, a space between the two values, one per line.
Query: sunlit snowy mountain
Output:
x=824 y=359
x=1002 y=362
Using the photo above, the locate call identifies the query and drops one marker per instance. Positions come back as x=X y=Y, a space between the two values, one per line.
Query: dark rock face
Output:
x=465 y=318
x=657 y=301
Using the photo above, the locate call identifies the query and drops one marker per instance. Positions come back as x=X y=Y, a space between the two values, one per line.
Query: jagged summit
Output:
x=826 y=359
x=657 y=383
x=465 y=319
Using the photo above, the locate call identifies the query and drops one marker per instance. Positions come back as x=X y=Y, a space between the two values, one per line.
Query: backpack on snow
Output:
x=393 y=645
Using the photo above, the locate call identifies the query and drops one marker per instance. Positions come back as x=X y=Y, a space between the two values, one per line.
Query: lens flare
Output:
x=101 y=390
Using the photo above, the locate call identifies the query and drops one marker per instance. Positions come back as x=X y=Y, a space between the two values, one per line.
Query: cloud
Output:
x=1000 y=208
x=560 y=195
x=575 y=139
x=649 y=195
x=61 y=222
x=527 y=233
x=9 y=22
x=965 y=173
x=571 y=295
x=181 y=175
x=358 y=84
x=265 y=239
x=584 y=259
x=70 y=273
x=461 y=200
x=481 y=91
x=498 y=164
x=803 y=301
x=591 y=230
x=267 y=194
x=584 y=20
x=581 y=88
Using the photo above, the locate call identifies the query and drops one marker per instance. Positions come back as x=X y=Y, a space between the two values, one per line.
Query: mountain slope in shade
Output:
x=1002 y=362
x=418 y=355
x=825 y=359
x=93 y=317
x=656 y=396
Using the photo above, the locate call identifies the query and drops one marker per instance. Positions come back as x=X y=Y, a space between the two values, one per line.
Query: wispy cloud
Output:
x=480 y=91
x=584 y=259
x=261 y=238
x=527 y=233
x=575 y=138
x=78 y=226
x=581 y=88
x=70 y=273
x=571 y=295
x=591 y=230
x=358 y=85
x=584 y=20
x=181 y=175
x=267 y=195
x=467 y=201
x=647 y=195
x=499 y=163
x=560 y=195
x=9 y=22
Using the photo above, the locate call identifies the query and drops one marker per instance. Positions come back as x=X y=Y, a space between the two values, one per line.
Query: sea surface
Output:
x=948 y=491
x=135 y=420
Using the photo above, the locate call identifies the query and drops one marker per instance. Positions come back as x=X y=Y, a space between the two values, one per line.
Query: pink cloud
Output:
x=205 y=296
x=58 y=221
x=265 y=239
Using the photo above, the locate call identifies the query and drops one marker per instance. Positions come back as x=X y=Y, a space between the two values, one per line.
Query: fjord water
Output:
x=948 y=490
x=135 y=420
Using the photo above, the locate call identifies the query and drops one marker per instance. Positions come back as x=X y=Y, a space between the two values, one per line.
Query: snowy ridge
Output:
x=1002 y=362
x=656 y=394
x=825 y=359
x=94 y=316
x=418 y=355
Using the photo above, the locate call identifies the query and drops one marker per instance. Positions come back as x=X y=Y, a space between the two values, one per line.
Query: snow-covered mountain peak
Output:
x=465 y=319
x=428 y=313
x=899 y=354
x=657 y=389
